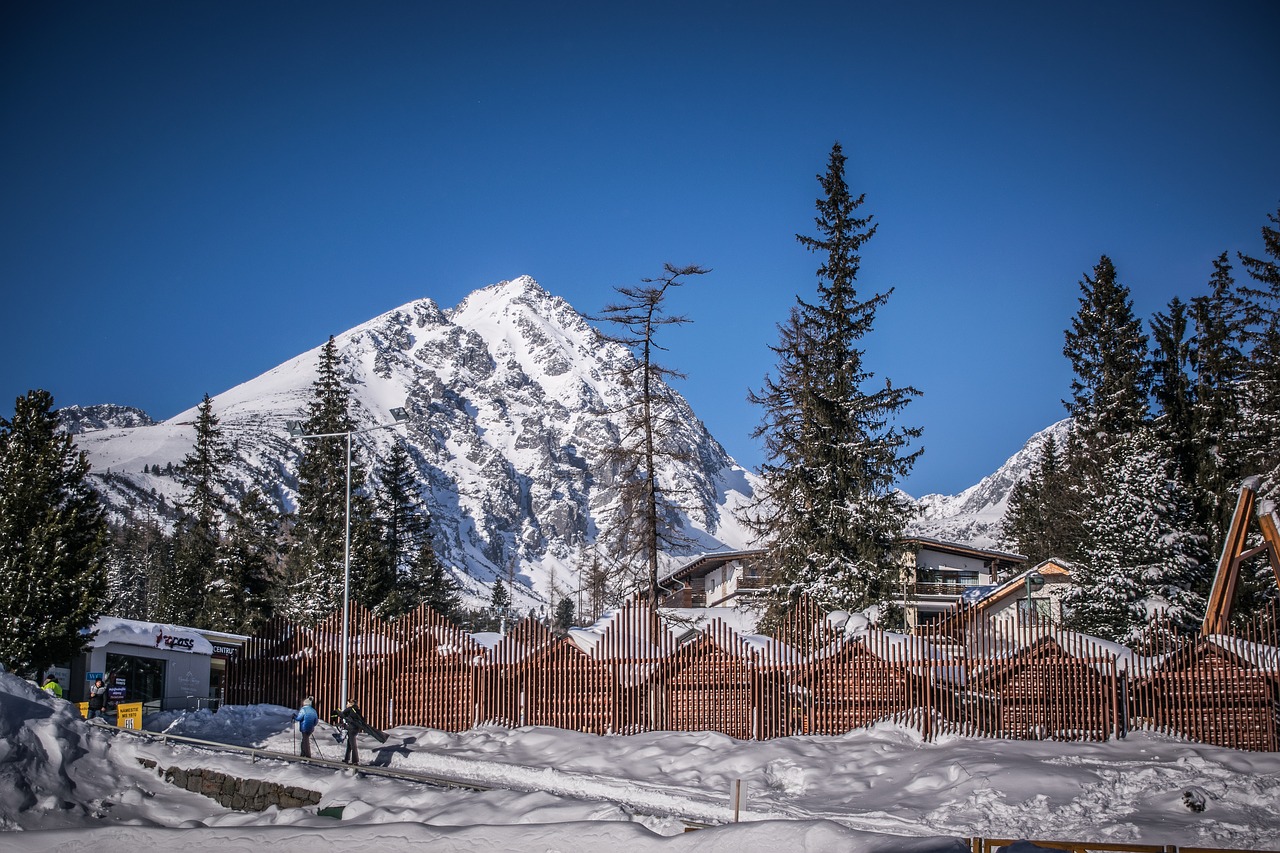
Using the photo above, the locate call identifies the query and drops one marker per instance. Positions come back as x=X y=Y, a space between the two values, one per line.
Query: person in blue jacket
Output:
x=307 y=718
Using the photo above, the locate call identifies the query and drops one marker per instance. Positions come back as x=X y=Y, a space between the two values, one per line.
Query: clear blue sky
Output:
x=194 y=192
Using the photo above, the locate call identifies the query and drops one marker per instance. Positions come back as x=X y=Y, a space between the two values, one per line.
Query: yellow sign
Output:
x=84 y=709
x=129 y=715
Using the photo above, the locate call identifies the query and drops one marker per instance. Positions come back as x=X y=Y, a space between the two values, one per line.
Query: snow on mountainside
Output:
x=974 y=516
x=511 y=398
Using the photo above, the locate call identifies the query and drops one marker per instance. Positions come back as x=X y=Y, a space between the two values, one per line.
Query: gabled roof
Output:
x=1246 y=655
x=1093 y=655
x=962 y=550
x=1053 y=568
x=705 y=564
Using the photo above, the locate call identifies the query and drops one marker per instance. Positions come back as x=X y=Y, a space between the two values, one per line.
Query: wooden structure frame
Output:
x=1235 y=550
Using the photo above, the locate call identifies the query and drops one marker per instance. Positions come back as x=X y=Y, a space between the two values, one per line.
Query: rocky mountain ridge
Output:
x=512 y=402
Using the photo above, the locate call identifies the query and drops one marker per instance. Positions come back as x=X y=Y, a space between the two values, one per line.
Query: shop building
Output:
x=165 y=667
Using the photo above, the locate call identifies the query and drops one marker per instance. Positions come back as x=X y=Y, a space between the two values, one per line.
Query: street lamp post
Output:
x=1034 y=581
x=297 y=431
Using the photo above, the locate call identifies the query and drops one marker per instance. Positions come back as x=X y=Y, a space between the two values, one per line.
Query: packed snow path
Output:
x=884 y=780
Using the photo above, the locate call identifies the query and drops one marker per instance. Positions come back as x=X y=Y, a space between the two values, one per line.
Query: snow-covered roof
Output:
x=154 y=635
x=632 y=637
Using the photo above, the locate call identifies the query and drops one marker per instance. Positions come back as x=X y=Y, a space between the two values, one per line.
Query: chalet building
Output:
x=1030 y=599
x=718 y=579
x=937 y=576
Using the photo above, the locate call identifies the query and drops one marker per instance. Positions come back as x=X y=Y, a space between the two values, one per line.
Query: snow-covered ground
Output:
x=66 y=784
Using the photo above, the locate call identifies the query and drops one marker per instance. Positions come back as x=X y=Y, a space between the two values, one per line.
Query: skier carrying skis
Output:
x=307 y=717
x=353 y=723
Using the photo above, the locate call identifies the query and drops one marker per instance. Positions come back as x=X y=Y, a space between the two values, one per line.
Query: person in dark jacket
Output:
x=97 y=699
x=307 y=717
x=352 y=724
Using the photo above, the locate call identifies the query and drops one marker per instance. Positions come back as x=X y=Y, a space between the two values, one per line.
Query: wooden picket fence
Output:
x=632 y=673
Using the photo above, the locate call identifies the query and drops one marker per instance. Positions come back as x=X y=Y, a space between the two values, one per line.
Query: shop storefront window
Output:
x=135 y=679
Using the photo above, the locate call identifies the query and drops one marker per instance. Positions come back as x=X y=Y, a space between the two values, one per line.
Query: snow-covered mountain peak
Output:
x=512 y=399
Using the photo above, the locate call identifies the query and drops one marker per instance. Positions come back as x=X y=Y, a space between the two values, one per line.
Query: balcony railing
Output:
x=940 y=588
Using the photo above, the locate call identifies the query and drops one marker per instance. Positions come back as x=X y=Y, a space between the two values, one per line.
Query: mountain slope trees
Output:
x=1159 y=445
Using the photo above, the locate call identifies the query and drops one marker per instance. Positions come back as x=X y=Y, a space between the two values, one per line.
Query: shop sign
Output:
x=129 y=715
x=175 y=642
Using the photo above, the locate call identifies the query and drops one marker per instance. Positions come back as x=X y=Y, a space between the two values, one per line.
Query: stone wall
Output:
x=247 y=795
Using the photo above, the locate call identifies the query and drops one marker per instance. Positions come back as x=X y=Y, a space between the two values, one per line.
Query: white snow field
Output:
x=66 y=784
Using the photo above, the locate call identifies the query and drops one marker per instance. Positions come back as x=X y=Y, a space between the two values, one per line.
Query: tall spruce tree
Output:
x=53 y=539
x=315 y=564
x=1261 y=385
x=1141 y=555
x=1109 y=393
x=828 y=507
x=187 y=597
x=652 y=420
x=1218 y=428
x=407 y=567
x=248 y=567
x=1172 y=386
x=203 y=471
x=1108 y=353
